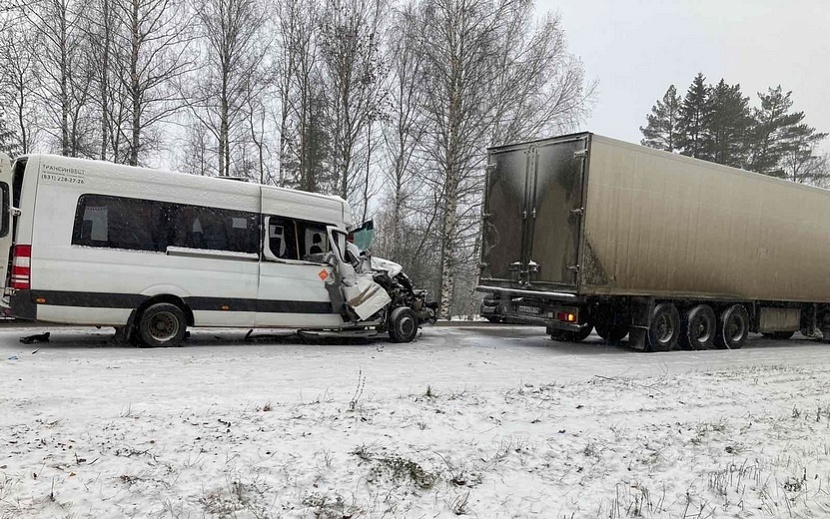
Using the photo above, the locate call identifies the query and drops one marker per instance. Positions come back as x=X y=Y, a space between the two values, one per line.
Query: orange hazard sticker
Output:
x=324 y=275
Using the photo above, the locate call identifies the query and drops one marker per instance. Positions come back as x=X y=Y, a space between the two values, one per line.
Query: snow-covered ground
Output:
x=484 y=421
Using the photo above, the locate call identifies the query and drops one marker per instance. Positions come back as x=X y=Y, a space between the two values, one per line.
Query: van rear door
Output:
x=6 y=233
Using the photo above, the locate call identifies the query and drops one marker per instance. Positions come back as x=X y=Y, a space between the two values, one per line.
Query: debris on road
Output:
x=42 y=337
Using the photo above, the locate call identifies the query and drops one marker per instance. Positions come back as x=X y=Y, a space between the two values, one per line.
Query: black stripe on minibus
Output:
x=293 y=307
x=228 y=304
x=88 y=299
x=259 y=305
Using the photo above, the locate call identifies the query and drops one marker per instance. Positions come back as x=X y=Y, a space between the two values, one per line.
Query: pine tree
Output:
x=663 y=131
x=772 y=124
x=799 y=162
x=727 y=123
x=694 y=112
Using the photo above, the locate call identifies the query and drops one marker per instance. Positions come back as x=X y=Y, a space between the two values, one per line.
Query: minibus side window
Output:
x=313 y=238
x=149 y=225
x=217 y=229
x=117 y=223
x=282 y=238
x=296 y=239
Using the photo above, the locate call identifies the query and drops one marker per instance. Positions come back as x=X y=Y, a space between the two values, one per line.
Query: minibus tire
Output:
x=403 y=324
x=162 y=325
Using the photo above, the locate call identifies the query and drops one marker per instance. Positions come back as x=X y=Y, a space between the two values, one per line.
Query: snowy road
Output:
x=81 y=365
x=486 y=421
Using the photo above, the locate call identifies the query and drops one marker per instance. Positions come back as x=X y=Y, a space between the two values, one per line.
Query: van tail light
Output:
x=21 y=267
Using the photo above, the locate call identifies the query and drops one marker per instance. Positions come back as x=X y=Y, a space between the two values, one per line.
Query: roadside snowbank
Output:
x=737 y=443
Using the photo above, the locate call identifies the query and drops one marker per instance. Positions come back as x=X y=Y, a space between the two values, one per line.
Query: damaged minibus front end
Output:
x=372 y=292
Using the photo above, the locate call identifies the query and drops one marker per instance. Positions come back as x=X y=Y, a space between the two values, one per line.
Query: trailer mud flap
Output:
x=641 y=308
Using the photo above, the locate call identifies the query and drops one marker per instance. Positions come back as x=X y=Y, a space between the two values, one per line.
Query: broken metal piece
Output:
x=41 y=337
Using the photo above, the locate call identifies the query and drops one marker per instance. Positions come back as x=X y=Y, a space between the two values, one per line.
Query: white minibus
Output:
x=152 y=252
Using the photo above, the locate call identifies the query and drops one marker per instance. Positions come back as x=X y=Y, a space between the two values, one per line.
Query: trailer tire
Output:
x=613 y=333
x=664 y=328
x=699 y=328
x=779 y=336
x=733 y=328
x=403 y=324
x=162 y=325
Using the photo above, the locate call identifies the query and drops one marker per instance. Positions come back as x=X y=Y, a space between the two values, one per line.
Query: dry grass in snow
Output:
x=746 y=443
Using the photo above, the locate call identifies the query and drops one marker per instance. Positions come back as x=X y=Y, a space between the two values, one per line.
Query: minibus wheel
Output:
x=162 y=324
x=403 y=324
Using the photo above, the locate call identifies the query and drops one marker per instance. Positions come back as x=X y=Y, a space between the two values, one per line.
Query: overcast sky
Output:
x=637 y=48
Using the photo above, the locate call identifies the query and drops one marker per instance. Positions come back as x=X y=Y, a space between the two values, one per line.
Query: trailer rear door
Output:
x=533 y=214
x=505 y=214
x=555 y=210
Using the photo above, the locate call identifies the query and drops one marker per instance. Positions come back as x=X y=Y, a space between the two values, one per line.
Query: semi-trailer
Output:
x=583 y=232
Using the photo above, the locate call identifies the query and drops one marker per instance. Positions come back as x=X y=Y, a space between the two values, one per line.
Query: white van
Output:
x=152 y=252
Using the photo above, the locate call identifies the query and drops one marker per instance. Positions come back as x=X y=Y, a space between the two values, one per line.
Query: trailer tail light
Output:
x=21 y=267
x=566 y=316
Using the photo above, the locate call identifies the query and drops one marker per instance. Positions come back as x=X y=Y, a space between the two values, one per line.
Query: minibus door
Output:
x=357 y=288
x=292 y=276
x=6 y=234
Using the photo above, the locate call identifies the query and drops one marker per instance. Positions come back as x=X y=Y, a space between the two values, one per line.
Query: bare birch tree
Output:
x=150 y=51
x=540 y=88
x=402 y=133
x=100 y=29
x=260 y=128
x=19 y=78
x=61 y=64
x=304 y=149
x=352 y=68
x=484 y=69
x=230 y=72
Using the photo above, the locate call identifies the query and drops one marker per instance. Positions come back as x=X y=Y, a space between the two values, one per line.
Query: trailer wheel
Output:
x=162 y=324
x=733 y=328
x=613 y=333
x=698 y=329
x=664 y=328
x=403 y=324
x=779 y=336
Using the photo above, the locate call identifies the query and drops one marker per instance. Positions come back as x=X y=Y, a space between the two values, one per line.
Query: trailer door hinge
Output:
x=533 y=213
x=575 y=268
x=524 y=215
x=579 y=210
x=580 y=154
